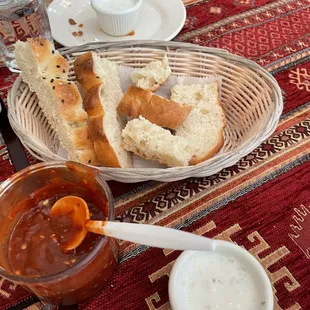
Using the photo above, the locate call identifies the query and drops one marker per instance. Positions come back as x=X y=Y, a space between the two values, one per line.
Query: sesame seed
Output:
x=89 y=161
x=46 y=202
x=53 y=52
x=44 y=78
x=52 y=80
x=54 y=87
x=58 y=77
x=24 y=246
x=64 y=71
x=97 y=77
x=58 y=66
x=62 y=100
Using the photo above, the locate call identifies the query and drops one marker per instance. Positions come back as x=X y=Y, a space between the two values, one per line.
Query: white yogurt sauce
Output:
x=216 y=281
x=115 y=5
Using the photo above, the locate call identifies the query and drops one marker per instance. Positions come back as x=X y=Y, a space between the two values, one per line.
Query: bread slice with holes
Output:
x=153 y=75
x=204 y=126
x=150 y=141
x=105 y=124
x=46 y=71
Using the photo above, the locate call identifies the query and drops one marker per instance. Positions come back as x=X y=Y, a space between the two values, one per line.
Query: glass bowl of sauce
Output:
x=30 y=252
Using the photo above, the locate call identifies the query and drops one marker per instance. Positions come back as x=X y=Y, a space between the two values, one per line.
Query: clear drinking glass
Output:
x=20 y=20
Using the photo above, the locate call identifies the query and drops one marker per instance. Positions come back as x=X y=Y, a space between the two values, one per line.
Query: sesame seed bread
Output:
x=204 y=126
x=45 y=71
x=158 y=110
x=153 y=75
x=150 y=141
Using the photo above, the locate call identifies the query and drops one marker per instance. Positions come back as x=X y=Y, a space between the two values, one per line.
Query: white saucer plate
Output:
x=158 y=20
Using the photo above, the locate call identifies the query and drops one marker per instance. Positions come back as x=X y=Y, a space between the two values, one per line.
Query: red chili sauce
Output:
x=35 y=243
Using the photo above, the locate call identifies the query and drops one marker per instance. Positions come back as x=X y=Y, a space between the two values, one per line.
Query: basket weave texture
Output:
x=250 y=96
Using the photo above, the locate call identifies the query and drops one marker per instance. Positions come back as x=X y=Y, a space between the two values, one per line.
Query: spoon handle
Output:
x=151 y=235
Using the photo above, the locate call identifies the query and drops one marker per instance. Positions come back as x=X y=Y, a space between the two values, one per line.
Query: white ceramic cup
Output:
x=117 y=23
x=185 y=261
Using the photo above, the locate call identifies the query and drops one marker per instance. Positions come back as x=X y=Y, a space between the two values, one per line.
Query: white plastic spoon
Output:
x=151 y=235
x=70 y=215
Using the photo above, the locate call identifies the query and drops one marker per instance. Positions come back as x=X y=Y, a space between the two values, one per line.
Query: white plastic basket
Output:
x=250 y=97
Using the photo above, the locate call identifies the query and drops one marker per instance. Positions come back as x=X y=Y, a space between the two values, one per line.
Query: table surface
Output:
x=261 y=203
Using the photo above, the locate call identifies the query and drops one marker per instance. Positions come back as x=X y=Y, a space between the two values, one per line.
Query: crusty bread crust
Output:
x=158 y=110
x=132 y=101
x=220 y=142
x=103 y=149
x=81 y=139
x=42 y=49
x=95 y=111
x=164 y=112
x=69 y=101
x=92 y=103
x=85 y=72
x=58 y=67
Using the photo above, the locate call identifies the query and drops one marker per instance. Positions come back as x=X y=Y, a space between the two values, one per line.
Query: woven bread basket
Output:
x=250 y=96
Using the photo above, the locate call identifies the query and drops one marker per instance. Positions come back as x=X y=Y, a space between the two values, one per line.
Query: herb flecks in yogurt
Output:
x=217 y=281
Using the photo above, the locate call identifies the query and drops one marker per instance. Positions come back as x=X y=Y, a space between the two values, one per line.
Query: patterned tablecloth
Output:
x=261 y=203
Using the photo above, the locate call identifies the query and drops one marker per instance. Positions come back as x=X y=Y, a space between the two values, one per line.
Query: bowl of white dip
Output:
x=229 y=278
x=117 y=17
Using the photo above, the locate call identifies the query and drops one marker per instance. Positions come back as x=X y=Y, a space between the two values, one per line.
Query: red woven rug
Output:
x=261 y=203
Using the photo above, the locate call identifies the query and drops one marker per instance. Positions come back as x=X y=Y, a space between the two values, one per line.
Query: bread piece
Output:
x=164 y=112
x=158 y=110
x=92 y=104
x=132 y=101
x=87 y=72
x=100 y=80
x=204 y=126
x=153 y=142
x=39 y=52
x=57 y=67
x=105 y=124
x=59 y=99
x=153 y=75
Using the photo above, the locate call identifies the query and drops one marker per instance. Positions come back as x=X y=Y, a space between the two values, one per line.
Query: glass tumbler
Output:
x=20 y=20
x=41 y=181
